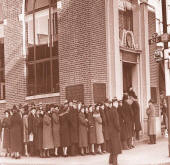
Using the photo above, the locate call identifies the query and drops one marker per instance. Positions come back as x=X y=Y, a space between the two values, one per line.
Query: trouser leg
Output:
x=137 y=135
x=114 y=159
x=104 y=147
x=154 y=139
x=111 y=158
x=72 y=149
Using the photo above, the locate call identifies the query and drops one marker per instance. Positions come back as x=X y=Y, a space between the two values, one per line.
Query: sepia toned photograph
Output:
x=84 y=82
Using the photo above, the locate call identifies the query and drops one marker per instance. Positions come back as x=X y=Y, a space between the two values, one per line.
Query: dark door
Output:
x=127 y=76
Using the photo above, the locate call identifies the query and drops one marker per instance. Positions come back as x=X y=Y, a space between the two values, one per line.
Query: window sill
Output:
x=2 y=101
x=42 y=96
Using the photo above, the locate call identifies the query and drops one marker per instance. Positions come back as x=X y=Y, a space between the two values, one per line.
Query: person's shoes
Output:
x=93 y=153
x=82 y=154
x=126 y=148
x=99 y=152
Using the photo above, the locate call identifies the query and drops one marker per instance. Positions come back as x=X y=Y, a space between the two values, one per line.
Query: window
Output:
x=42 y=56
x=125 y=21
x=39 y=5
x=2 y=70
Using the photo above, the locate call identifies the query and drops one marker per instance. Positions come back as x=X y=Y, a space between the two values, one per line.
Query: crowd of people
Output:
x=72 y=128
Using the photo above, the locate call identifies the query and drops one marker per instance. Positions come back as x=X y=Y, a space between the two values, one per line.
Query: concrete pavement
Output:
x=142 y=154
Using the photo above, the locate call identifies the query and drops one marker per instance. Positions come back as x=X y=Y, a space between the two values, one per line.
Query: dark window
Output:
x=39 y=4
x=2 y=72
x=99 y=92
x=154 y=94
x=75 y=92
x=42 y=58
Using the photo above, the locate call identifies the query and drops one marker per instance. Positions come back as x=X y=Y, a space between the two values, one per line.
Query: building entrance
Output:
x=127 y=75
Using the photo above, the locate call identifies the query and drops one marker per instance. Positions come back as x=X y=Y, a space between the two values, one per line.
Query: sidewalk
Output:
x=143 y=154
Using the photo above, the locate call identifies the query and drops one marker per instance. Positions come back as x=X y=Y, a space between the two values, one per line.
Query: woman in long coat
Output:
x=83 y=126
x=47 y=133
x=39 y=133
x=16 y=133
x=64 y=129
x=98 y=125
x=56 y=129
x=6 y=132
x=114 y=133
x=104 y=128
x=25 y=131
x=151 y=112
x=92 y=130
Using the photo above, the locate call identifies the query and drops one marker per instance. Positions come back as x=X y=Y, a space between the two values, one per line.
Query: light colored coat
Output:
x=98 y=125
x=47 y=133
x=83 y=126
x=151 y=112
x=25 y=129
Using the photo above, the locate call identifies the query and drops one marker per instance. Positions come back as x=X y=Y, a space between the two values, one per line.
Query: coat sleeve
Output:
x=55 y=118
x=83 y=121
x=148 y=111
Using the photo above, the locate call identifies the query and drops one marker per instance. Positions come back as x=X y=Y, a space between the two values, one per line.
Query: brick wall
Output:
x=15 y=78
x=154 y=67
x=82 y=45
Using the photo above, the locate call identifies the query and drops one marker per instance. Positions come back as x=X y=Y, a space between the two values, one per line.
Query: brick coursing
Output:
x=82 y=45
x=15 y=78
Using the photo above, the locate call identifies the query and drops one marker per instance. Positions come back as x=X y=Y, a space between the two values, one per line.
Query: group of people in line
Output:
x=73 y=128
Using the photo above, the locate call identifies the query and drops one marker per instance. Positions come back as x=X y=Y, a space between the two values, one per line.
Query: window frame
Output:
x=51 y=58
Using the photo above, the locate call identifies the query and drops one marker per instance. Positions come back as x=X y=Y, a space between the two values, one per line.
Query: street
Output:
x=143 y=154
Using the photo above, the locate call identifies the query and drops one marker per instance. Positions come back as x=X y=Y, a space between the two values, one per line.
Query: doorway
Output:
x=127 y=75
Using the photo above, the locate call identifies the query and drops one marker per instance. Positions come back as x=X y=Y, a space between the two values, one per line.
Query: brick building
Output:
x=77 y=49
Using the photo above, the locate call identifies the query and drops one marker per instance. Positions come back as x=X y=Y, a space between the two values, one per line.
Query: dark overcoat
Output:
x=83 y=126
x=123 y=126
x=114 y=131
x=16 y=132
x=91 y=129
x=56 y=129
x=73 y=126
x=38 y=141
x=6 y=135
x=47 y=132
x=136 y=112
x=64 y=130
x=129 y=120
x=104 y=124
x=31 y=124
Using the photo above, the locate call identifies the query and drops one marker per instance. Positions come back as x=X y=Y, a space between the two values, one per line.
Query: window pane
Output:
x=55 y=76
x=55 y=49
x=42 y=51
x=39 y=73
x=31 y=80
x=41 y=30
x=43 y=77
x=47 y=77
x=30 y=53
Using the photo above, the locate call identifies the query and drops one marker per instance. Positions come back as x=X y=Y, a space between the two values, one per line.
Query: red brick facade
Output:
x=82 y=45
